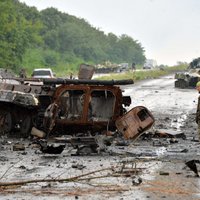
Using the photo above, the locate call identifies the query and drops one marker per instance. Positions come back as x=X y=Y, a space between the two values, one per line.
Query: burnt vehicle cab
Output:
x=86 y=107
x=190 y=77
x=94 y=107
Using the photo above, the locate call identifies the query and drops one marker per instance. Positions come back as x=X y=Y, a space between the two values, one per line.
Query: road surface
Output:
x=148 y=168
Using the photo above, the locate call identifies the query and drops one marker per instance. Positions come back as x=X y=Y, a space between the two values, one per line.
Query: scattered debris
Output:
x=78 y=166
x=136 y=180
x=159 y=143
x=82 y=177
x=142 y=118
x=83 y=145
x=162 y=173
x=192 y=165
x=170 y=133
x=3 y=159
x=86 y=150
x=173 y=140
x=50 y=149
x=184 y=151
x=178 y=150
x=194 y=140
x=18 y=147
x=22 y=167
x=80 y=107
x=38 y=133
x=121 y=142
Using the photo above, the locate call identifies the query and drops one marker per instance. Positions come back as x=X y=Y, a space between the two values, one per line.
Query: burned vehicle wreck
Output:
x=80 y=108
x=189 y=78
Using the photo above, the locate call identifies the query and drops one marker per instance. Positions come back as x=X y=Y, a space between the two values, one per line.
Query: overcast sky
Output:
x=169 y=30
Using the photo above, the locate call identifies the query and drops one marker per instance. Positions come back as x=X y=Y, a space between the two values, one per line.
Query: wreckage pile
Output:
x=81 y=108
x=155 y=163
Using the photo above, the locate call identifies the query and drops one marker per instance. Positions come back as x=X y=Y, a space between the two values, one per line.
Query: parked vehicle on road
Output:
x=43 y=73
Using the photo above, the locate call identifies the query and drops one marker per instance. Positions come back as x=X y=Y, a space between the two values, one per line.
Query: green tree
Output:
x=51 y=38
x=15 y=34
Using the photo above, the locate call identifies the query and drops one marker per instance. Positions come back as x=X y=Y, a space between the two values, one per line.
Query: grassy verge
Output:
x=147 y=74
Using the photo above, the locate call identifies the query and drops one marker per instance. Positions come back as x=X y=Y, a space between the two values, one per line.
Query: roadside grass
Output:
x=146 y=74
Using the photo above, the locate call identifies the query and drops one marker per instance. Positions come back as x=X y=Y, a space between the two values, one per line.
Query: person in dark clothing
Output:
x=22 y=73
x=198 y=110
x=133 y=66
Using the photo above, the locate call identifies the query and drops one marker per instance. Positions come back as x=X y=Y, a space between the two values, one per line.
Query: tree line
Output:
x=49 y=38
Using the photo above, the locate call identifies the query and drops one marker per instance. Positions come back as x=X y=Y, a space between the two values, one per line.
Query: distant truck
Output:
x=150 y=64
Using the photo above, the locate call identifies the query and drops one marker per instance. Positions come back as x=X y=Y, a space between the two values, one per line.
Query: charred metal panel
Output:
x=19 y=98
x=71 y=104
x=135 y=122
x=87 y=107
x=101 y=106
x=126 y=100
x=27 y=88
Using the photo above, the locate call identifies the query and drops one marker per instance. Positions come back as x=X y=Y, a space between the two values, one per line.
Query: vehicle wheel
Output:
x=25 y=126
x=181 y=84
x=176 y=84
x=6 y=122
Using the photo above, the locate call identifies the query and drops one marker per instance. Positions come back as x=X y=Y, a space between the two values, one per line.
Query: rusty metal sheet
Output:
x=87 y=98
x=135 y=122
x=86 y=71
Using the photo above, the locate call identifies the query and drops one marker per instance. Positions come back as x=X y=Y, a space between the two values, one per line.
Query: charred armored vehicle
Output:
x=189 y=78
x=73 y=107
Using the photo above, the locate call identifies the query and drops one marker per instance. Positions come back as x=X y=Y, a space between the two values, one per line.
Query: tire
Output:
x=181 y=84
x=25 y=126
x=6 y=122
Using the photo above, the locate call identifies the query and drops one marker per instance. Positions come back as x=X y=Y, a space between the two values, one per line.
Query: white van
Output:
x=43 y=73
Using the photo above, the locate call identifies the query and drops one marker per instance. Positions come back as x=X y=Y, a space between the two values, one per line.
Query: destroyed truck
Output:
x=189 y=78
x=81 y=108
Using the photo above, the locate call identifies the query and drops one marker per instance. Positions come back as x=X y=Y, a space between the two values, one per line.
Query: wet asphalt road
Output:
x=160 y=162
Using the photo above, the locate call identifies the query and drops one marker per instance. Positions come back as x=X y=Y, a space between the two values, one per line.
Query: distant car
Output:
x=147 y=67
x=150 y=64
x=43 y=73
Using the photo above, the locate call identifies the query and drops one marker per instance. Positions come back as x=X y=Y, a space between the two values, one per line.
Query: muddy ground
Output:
x=152 y=167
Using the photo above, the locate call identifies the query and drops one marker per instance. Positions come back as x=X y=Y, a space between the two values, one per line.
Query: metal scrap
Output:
x=192 y=165
x=18 y=147
x=50 y=149
x=169 y=133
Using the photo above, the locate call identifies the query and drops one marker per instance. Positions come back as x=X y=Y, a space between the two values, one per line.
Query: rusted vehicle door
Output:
x=135 y=122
